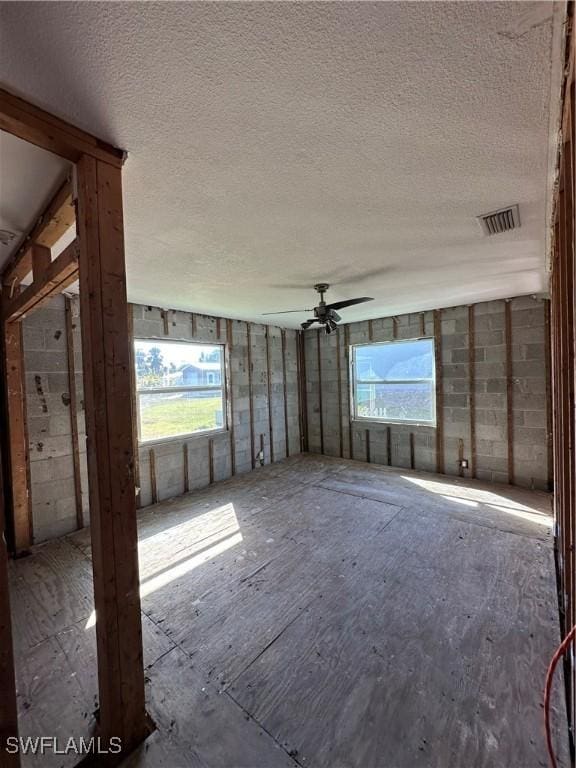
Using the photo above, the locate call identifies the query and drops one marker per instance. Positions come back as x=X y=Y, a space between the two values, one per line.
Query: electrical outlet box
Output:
x=464 y=463
x=260 y=456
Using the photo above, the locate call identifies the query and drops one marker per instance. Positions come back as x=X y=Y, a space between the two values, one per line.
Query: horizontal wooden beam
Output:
x=32 y=124
x=55 y=221
x=59 y=275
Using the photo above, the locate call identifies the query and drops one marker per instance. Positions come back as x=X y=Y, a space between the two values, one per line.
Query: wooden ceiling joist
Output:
x=54 y=222
x=32 y=124
x=57 y=276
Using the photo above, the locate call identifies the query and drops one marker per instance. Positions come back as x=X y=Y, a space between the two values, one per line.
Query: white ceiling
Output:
x=274 y=145
x=29 y=177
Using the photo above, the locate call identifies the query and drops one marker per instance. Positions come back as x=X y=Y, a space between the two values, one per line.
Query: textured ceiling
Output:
x=273 y=145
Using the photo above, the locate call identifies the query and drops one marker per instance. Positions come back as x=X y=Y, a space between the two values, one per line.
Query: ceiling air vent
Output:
x=499 y=221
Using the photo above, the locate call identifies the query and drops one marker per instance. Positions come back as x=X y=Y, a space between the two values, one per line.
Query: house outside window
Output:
x=180 y=388
x=394 y=382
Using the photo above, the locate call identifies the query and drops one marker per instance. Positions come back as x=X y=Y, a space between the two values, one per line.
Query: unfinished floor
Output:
x=317 y=612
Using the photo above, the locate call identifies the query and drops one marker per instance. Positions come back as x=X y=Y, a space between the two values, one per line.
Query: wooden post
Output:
x=348 y=389
x=250 y=394
x=472 y=387
x=229 y=331
x=133 y=396
x=186 y=468
x=549 y=396
x=18 y=446
x=302 y=390
x=106 y=358
x=320 y=406
x=285 y=392
x=211 y=460
x=339 y=369
x=269 y=393
x=509 y=391
x=368 y=446
x=439 y=392
x=389 y=446
x=73 y=413
x=412 y=459
x=8 y=704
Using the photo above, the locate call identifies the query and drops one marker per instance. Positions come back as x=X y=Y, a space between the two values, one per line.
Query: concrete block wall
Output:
x=48 y=409
x=149 y=323
x=52 y=488
x=530 y=416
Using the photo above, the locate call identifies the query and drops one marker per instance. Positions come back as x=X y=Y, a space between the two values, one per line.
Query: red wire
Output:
x=560 y=651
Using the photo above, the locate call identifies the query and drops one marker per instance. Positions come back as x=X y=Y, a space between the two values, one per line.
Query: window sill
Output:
x=391 y=422
x=180 y=438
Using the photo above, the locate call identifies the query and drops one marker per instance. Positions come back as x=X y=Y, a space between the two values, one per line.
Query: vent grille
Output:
x=499 y=221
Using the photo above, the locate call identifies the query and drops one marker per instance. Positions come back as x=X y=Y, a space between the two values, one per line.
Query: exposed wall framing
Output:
x=562 y=316
x=97 y=258
x=472 y=404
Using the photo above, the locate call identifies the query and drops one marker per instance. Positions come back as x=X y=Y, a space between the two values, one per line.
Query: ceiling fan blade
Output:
x=348 y=303
x=308 y=323
x=287 y=311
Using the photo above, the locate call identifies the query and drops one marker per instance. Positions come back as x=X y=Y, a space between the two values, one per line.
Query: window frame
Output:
x=186 y=388
x=354 y=417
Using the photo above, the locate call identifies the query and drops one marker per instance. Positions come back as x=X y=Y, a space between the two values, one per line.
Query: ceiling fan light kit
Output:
x=325 y=314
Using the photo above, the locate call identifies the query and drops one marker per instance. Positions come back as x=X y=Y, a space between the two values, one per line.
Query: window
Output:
x=179 y=388
x=394 y=381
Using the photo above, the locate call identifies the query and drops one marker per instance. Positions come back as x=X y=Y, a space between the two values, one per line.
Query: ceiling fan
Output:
x=324 y=314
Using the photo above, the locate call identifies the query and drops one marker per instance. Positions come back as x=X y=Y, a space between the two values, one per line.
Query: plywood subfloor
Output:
x=316 y=612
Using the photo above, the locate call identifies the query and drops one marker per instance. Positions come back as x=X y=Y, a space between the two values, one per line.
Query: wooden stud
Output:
x=262 y=448
x=439 y=392
x=339 y=368
x=229 y=332
x=110 y=453
x=251 y=396
x=218 y=329
x=193 y=323
x=186 y=468
x=55 y=221
x=61 y=273
x=285 y=392
x=165 y=321
x=460 y=457
x=412 y=450
x=8 y=701
x=422 y=324
x=302 y=390
x=320 y=407
x=472 y=387
x=509 y=390
x=388 y=446
x=269 y=392
x=370 y=330
x=153 y=480
x=211 y=460
x=549 y=396
x=41 y=260
x=134 y=405
x=394 y=327
x=73 y=412
x=18 y=446
x=348 y=390
x=368 y=446
x=32 y=124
